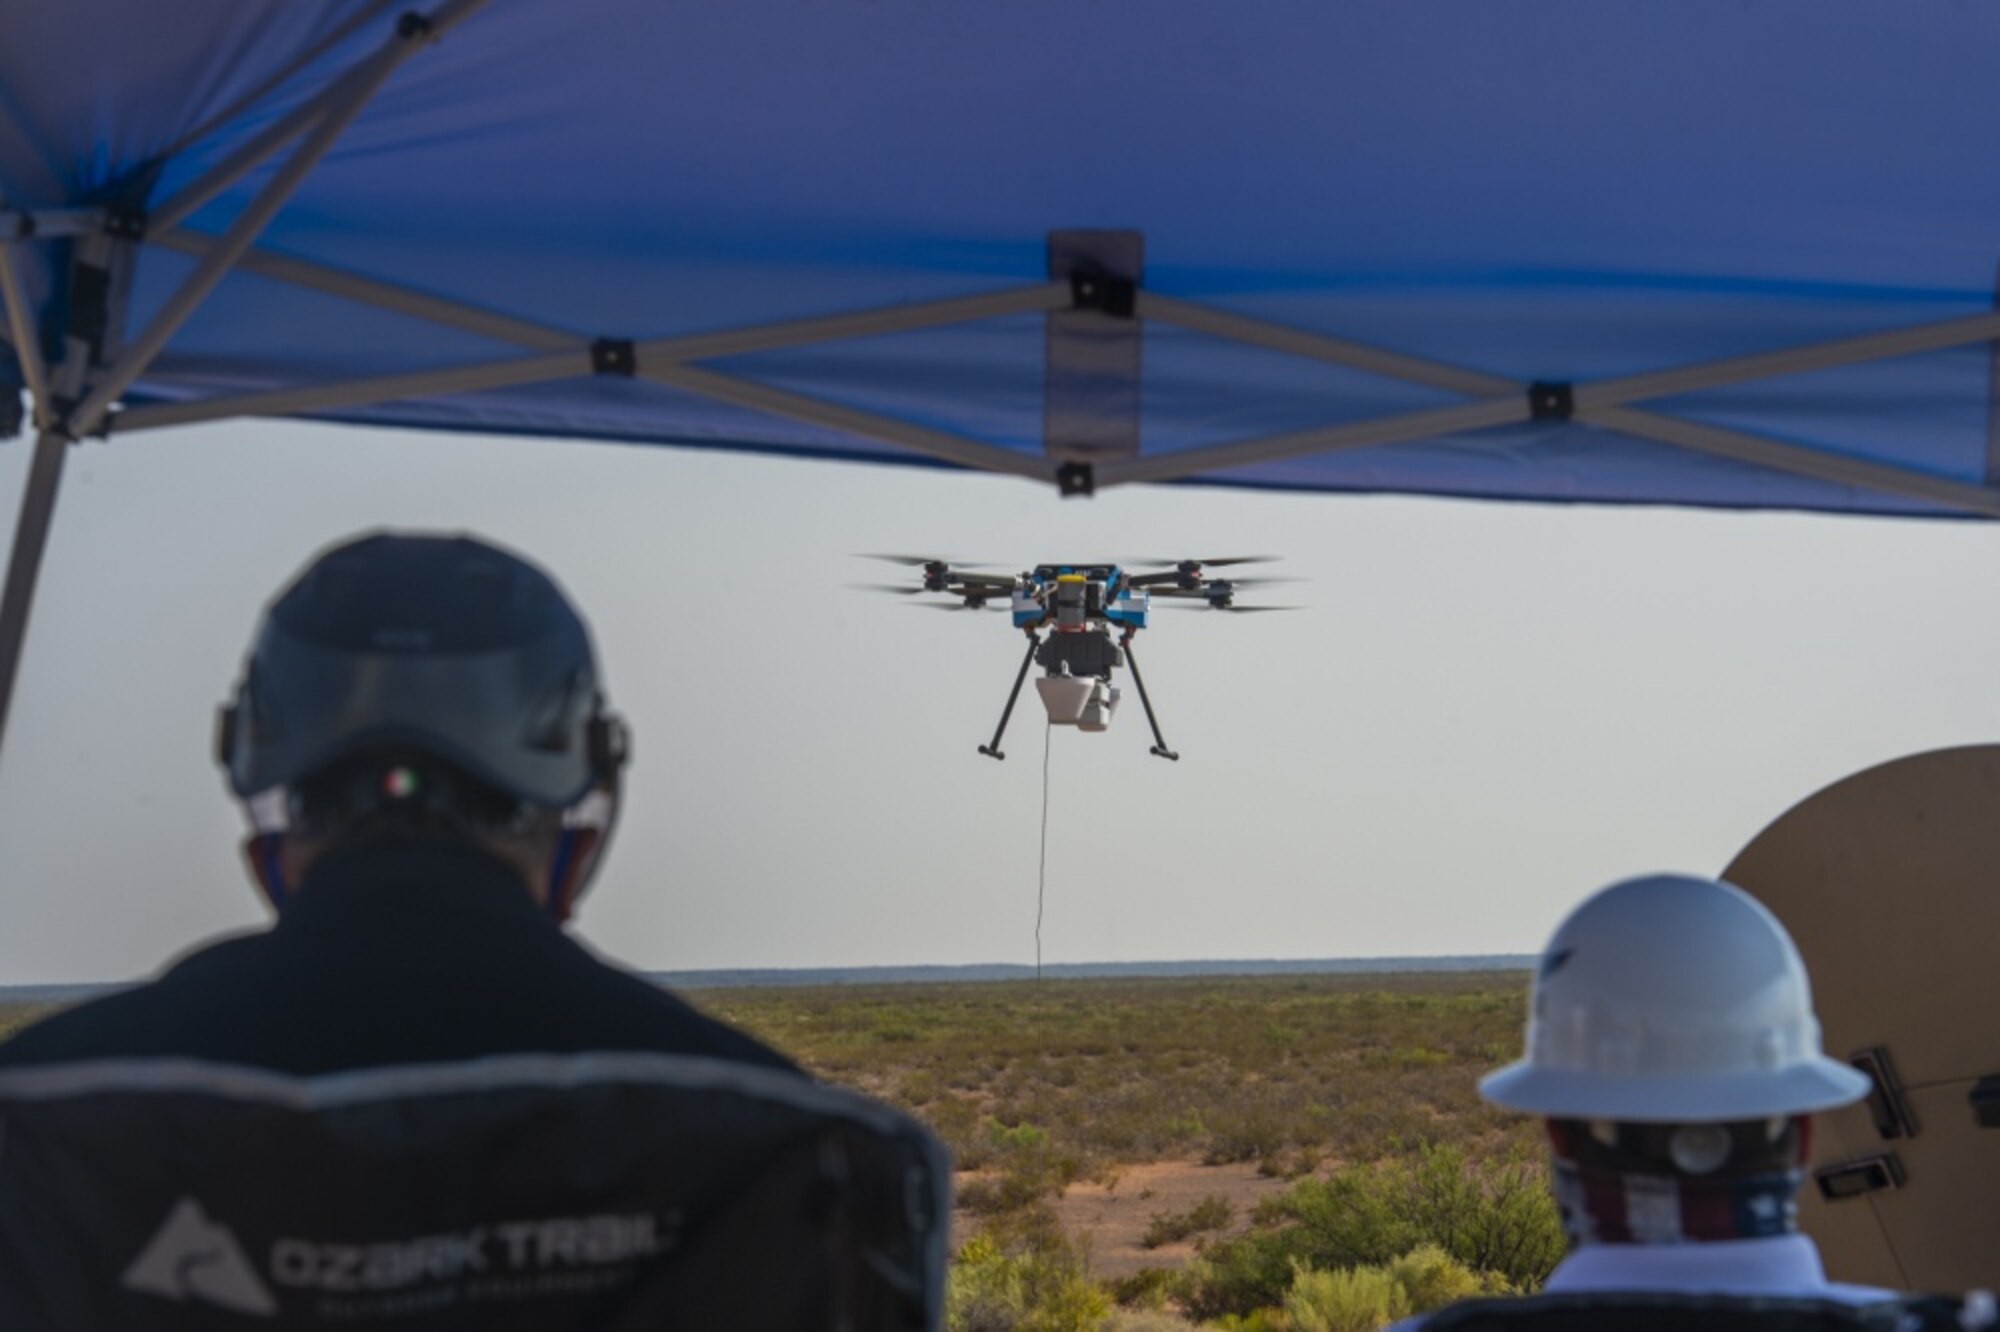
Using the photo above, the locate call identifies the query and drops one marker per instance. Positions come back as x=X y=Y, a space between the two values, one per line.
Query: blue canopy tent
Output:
x=1717 y=253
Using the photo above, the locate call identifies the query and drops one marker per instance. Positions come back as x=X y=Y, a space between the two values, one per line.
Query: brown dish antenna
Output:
x=1889 y=880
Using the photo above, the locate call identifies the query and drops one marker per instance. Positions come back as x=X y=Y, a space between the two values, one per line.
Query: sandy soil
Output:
x=1113 y=1219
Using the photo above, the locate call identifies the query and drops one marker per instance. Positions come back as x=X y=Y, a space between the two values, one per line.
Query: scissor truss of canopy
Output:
x=1721 y=254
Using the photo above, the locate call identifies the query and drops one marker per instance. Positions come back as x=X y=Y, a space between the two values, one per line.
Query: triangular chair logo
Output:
x=192 y=1258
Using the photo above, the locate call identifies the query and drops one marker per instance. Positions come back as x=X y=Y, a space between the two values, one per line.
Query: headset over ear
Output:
x=588 y=824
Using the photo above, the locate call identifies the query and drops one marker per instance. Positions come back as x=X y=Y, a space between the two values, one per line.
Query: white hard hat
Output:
x=1672 y=999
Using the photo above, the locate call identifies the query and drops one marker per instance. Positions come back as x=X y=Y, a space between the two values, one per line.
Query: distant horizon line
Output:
x=893 y=973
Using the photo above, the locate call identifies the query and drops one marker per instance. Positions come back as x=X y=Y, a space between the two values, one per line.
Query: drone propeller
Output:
x=1214 y=586
x=1217 y=562
x=925 y=561
x=1190 y=574
x=939 y=576
x=974 y=598
x=1223 y=606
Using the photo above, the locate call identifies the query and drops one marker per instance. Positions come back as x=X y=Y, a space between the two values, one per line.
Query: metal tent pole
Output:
x=1252 y=332
x=836 y=416
x=31 y=531
x=359 y=392
x=1839 y=469
x=569 y=355
x=45 y=466
x=1456 y=419
x=380 y=295
x=24 y=564
x=21 y=332
x=45 y=469
x=1497 y=401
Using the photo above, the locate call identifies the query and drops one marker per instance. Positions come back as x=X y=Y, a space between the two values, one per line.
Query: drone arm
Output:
x=993 y=750
x=1159 y=741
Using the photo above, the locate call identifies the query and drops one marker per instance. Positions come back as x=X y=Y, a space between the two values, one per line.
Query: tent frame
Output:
x=79 y=396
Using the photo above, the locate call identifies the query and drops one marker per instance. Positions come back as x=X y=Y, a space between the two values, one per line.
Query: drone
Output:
x=1080 y=606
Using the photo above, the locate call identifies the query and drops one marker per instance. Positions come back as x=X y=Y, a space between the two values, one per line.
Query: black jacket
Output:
x=406 y=953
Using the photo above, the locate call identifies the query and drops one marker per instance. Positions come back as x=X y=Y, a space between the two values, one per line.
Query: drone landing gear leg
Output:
x=993 y=750
x=1159 y=741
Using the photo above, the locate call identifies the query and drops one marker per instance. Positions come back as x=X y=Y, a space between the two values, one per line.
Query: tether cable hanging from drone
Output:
x=1042 y=873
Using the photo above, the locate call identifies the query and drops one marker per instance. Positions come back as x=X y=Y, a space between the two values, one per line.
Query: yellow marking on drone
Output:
x=1071 y=578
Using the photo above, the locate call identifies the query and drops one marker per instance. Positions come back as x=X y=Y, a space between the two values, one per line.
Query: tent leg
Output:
x=24 y=565
x=21 y=331
x=62 y=380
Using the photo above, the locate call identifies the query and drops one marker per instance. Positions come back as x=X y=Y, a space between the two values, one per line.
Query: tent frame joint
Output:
x=614 y=356
x=57 y=416
x=1108 y=293
x=1076 y=480
x=1551 y=401
x=125 y=223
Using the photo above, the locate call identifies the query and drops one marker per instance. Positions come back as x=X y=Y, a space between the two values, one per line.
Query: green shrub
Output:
x=1361 y=1299
x=1029 y=1167
x=1258 y=1320
x=1295 y=1166
x=1245 y=1135
x=1353 y=1299
x=1432 y=1278
x=1239 y=1277
x=1494 y=1218
x=1211 y=1213
x=1017 y=1137
x=1038 y=1286
x=1147 y=1288
x=1145 y=1320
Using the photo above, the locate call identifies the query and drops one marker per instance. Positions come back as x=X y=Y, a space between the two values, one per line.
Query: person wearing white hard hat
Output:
x=1673 y=1051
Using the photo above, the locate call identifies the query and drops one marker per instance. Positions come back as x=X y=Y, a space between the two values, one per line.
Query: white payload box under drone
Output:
x=1086 y=703
x=1069 y=613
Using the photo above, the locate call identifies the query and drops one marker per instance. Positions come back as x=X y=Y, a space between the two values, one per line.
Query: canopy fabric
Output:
x=1452 y=201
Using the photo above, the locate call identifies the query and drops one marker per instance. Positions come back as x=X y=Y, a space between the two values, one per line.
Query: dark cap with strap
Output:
x=443 y=645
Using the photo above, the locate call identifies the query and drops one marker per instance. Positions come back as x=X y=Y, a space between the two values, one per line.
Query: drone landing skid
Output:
x=1139 y=681
x=993 y=750
x=1159 y=747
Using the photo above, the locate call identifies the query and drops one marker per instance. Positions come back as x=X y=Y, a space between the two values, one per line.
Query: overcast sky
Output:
x=1483 y=712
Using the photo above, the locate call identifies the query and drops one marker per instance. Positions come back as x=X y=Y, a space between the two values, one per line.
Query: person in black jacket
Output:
x=422 y=746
